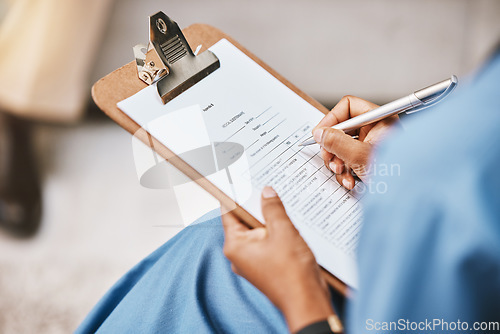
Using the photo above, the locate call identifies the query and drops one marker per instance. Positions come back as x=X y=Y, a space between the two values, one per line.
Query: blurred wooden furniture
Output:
x=47 y=48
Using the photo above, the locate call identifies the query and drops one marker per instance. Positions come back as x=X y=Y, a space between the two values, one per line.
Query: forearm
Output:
x=305 y=305
x=307 y=315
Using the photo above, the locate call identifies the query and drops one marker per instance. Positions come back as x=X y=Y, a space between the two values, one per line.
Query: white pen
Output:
x=414 y=102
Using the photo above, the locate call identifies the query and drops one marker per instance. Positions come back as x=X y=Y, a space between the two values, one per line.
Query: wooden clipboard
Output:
x=124 y=82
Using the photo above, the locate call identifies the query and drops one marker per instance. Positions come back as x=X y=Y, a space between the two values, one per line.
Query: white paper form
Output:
x=241 y=103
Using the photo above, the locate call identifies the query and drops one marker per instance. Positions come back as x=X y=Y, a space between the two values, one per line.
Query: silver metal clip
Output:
x=169 y=61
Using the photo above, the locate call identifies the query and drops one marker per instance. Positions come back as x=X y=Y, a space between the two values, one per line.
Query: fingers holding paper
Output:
x=277 y=261
x=342 y=154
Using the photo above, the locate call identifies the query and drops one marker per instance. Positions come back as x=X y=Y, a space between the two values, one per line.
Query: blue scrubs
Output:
x=430 y=246
x=186 y=286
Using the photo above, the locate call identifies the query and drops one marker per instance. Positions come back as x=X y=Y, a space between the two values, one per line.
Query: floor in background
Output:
x=98 y=222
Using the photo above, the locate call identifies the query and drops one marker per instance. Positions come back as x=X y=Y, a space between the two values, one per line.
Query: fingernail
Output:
x=333 y=167
x=317 y=135
x=347 y=184
x=268 y=192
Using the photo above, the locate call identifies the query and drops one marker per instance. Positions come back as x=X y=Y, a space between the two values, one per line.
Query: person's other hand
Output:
x=278 y=262
x=343 y=154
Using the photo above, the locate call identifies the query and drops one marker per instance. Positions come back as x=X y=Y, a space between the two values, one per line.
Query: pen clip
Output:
x=437 y=99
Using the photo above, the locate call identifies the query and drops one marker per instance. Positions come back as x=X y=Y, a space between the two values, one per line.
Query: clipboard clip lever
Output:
x=169 y=61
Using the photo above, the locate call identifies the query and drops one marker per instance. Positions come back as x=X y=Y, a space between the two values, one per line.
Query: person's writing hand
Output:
x=342 y=153
x=277 y=261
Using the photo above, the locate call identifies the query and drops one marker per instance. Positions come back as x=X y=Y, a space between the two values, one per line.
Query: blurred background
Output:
x=65 y=165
